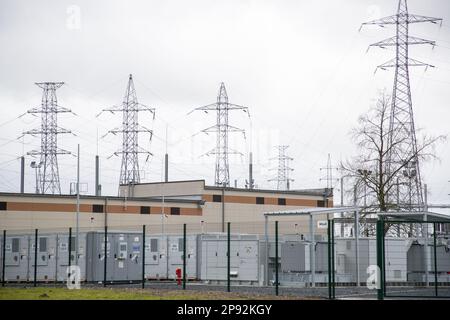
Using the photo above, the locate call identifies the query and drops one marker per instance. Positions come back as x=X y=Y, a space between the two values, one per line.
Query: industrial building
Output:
x=190 y=202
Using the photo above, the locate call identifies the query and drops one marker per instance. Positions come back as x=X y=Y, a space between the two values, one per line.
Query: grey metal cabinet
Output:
x=17 y=257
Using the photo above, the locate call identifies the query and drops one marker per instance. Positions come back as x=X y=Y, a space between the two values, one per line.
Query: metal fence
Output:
x=415 y=259
x=283 y=258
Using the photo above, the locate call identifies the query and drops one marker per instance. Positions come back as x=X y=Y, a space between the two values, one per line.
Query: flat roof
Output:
x=418 y=216
x=311 y=211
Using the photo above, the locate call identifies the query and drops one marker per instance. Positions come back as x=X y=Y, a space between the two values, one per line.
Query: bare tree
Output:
x=376 y=181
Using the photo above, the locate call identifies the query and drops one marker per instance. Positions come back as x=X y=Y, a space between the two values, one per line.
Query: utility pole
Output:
x=130 y=108
x=222 y=107
x=78 y=207
x=283 y=169
x=166 y=159
x=250 y=183
x=36 y=167
x=402 y=132
x=48 y=172
x=22 y=174
x=98 y=187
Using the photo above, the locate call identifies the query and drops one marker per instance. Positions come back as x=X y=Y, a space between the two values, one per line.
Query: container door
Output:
x=42 y=253
x=151 y=251
x=211 y=259
x=134 y=257
x=121 y=251
x=248 y=253
x=12 y=254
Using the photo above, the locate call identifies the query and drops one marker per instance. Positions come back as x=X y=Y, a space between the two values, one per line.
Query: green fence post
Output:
x=70 y=251
x=276 y=257
x=380 y=235
x=333 y=273
x=329 y=259
x=228 y=255
x=184 y=256
x=143 y=256
x=35 y=256
x=435 y=260
x=3 y=257
x=105 y=248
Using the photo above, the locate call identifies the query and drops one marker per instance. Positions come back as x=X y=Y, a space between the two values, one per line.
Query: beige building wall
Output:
x=241 y=209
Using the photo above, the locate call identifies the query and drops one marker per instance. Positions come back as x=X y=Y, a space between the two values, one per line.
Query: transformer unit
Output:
x=295 y=257
x=416 y=262
x=296 y=263
x=212 y=249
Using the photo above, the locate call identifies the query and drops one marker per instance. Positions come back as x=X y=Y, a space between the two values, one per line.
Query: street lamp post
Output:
x=36 y=166
x=342 y=201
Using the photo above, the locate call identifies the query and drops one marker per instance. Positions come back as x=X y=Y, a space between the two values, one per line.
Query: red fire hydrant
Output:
x=178 y=273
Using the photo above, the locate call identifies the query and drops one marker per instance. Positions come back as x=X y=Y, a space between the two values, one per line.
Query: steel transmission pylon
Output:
x=329 y=173
x=283 y=169
x=47 y=170
x=222 y=128
x=130 y=108
x=402 y=135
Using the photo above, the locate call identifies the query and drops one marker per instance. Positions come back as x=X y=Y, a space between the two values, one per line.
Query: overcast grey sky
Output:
x=300 y=66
